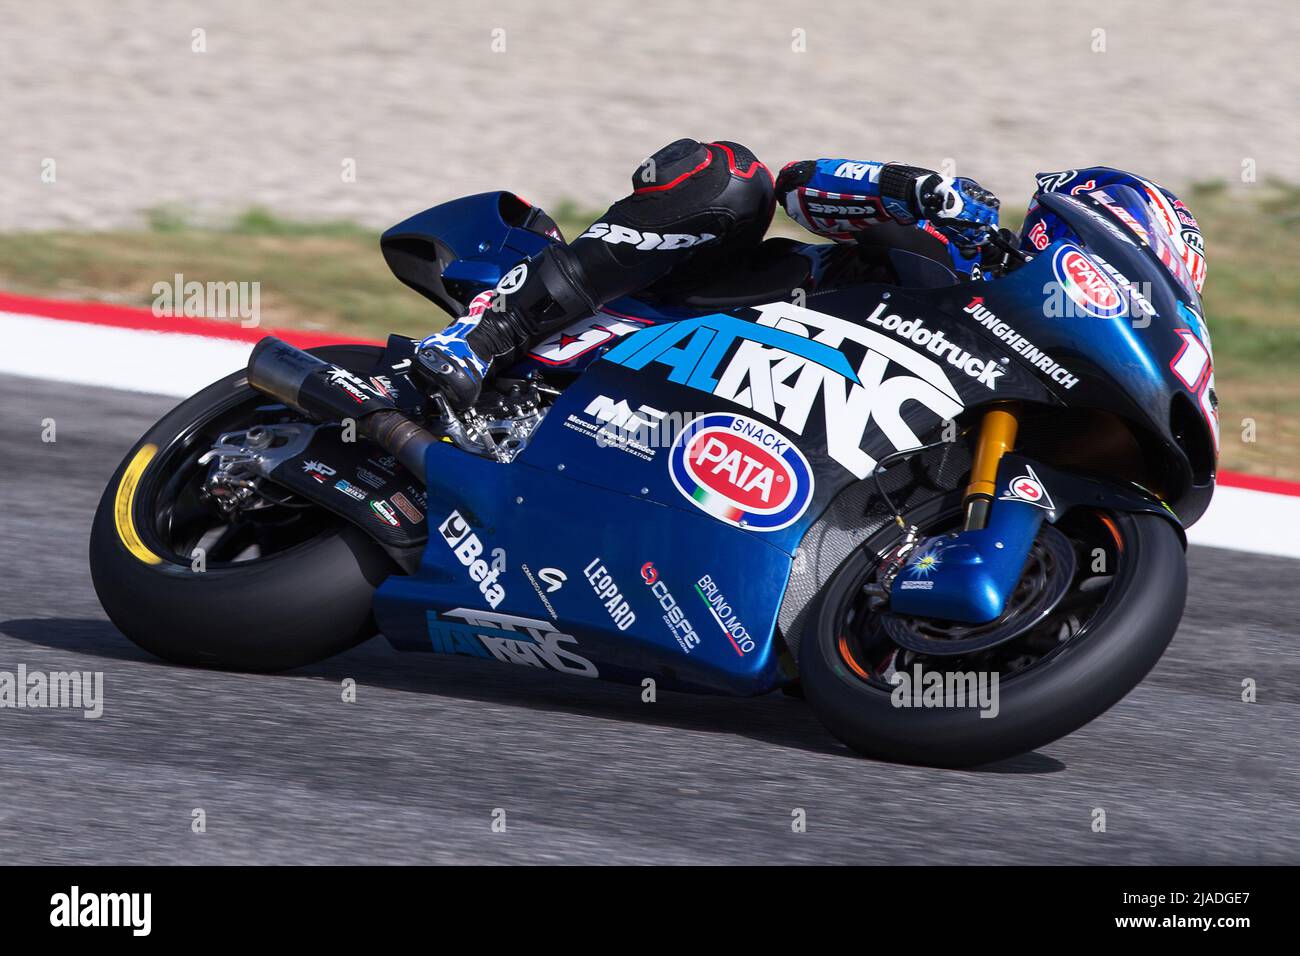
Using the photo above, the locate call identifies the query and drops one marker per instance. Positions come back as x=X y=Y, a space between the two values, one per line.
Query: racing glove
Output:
x=910 y=193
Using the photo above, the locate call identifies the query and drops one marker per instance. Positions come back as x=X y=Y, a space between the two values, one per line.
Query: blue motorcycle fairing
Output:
x=704 y=623
x=1025 y=321
x=968 y=576
x=450 y=252
x=1126 y=362
x=842 y=393
x=814 y=401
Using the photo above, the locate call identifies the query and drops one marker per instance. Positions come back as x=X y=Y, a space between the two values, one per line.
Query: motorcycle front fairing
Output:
x=1138 y=344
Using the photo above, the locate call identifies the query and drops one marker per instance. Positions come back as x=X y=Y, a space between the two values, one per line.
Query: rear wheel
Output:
x=1049 y=667
x=268 y=588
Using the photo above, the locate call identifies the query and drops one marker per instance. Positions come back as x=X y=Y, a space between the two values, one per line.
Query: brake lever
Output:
x=989 y=235
x=996 y=238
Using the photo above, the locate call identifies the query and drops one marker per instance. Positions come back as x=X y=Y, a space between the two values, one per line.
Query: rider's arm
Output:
x=838 y=198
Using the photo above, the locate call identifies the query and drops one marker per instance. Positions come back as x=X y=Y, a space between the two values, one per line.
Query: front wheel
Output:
x=1120 y=608
x=279 y=586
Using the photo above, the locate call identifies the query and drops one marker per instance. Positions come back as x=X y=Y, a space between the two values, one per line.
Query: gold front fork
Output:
x=997 y=437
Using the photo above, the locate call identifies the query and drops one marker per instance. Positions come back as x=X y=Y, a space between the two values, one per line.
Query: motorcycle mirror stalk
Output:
x=330 y=393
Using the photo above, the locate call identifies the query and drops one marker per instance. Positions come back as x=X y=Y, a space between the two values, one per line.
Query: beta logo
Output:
x=468 y=548
x=1087 y=285
x=741 y=471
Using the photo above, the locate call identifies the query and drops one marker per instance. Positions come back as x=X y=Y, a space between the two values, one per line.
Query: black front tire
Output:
x=1082 y=680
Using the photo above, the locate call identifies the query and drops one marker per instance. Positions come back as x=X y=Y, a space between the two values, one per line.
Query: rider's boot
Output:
x=535 y=297
x=697 y=203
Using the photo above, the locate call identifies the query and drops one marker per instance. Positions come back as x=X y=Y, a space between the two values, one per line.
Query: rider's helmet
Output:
x=1150 y=211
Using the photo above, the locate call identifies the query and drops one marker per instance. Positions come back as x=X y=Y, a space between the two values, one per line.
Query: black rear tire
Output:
x=292 y=608
x=1078 y=682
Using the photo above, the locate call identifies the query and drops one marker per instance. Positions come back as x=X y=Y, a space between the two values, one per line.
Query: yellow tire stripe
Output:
x=124 y=505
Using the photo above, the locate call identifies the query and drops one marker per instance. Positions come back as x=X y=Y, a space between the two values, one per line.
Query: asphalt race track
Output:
x=412 y=772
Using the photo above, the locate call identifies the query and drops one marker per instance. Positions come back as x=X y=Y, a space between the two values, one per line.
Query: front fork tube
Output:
x=997 y=436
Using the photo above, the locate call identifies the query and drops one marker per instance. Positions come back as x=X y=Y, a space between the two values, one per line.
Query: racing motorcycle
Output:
x=949 y=514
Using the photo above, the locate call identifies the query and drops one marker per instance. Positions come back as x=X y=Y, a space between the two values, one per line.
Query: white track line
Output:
x=162 y=363
x=1247 y=520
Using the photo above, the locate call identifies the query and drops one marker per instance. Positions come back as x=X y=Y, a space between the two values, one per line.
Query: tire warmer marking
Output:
x=124 y=505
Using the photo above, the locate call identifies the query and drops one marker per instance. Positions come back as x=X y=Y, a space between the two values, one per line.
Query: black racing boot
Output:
x=535 y=297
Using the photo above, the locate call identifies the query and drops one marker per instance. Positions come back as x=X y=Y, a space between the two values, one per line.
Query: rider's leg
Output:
x=692 y=207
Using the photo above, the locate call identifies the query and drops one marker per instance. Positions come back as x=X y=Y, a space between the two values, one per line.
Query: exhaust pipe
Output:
x=331 y=393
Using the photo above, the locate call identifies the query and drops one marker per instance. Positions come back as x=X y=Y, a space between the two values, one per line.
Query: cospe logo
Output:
x=741 y=472
x=1087 y=285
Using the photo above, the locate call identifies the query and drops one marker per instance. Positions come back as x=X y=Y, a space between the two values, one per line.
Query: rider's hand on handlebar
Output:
x=958 y=202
